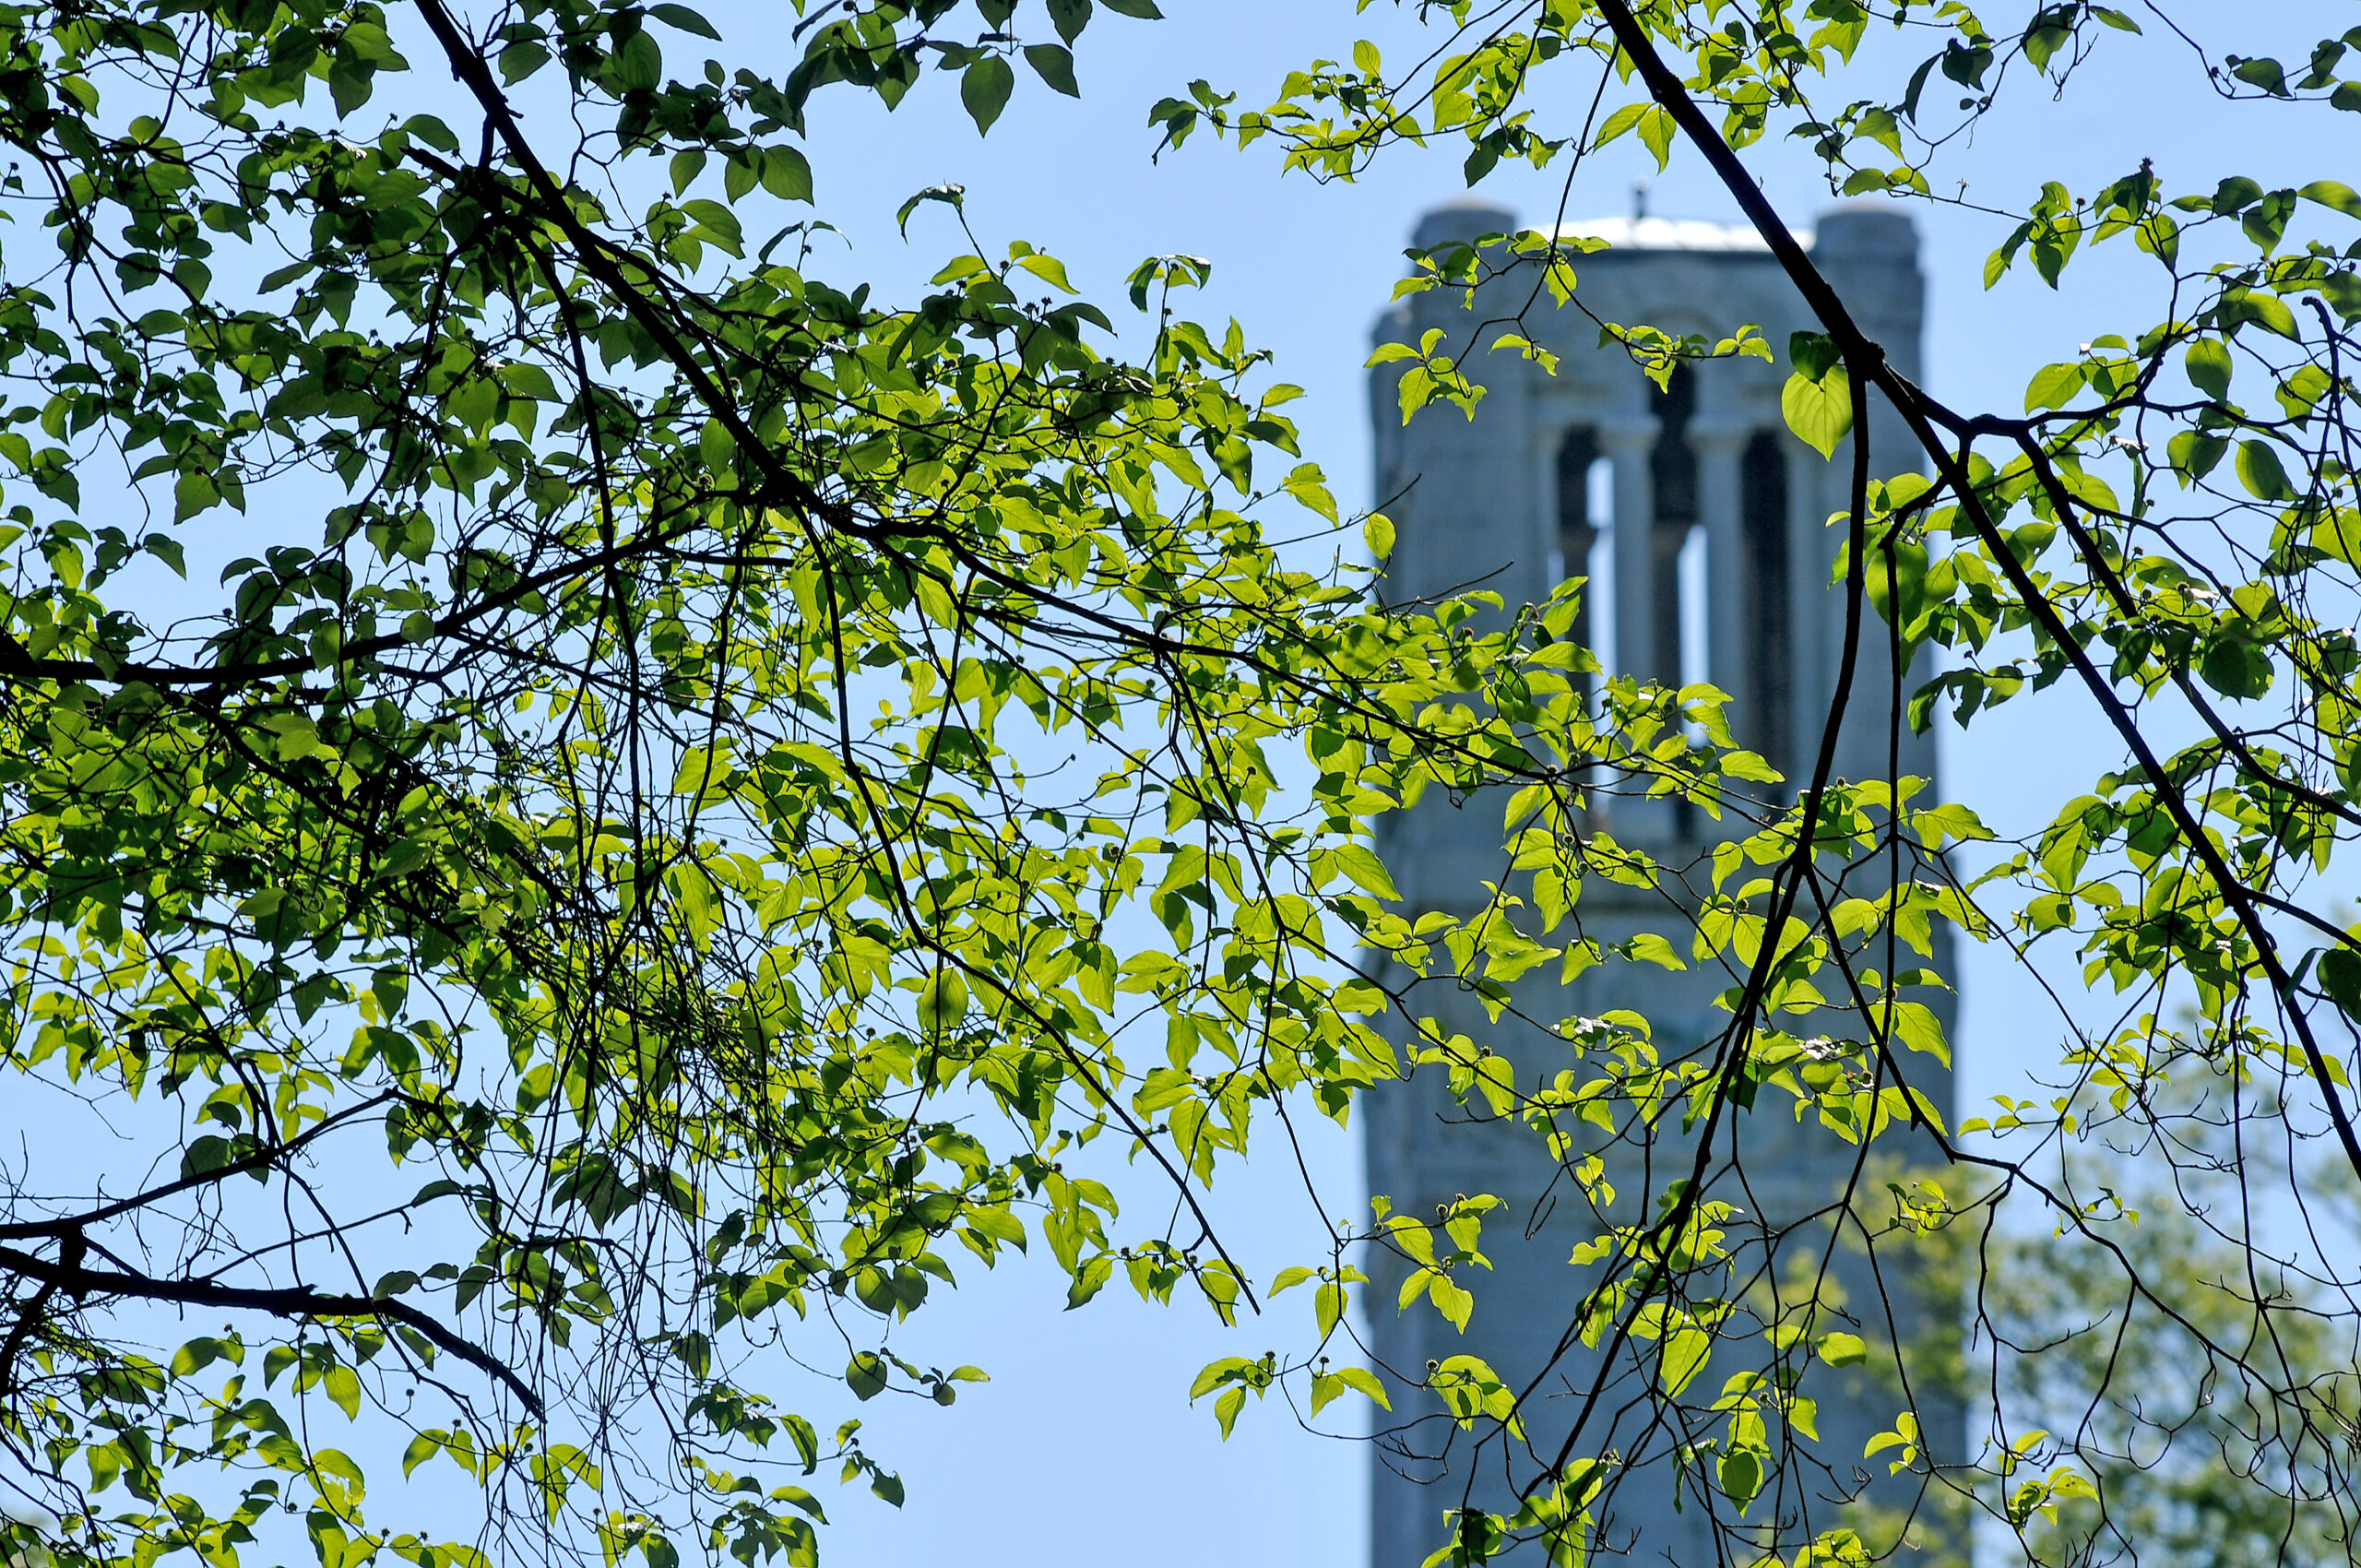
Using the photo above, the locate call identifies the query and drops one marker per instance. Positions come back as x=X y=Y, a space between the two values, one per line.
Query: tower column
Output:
x=1815 y=638
x=1631 y=447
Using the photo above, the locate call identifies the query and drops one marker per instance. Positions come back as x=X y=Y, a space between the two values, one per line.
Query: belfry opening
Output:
x=1683 y=577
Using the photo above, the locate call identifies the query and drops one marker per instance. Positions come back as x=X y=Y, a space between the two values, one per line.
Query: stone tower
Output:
x=1702 y=526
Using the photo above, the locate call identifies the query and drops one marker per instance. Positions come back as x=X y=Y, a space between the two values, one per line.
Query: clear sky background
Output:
x=1083 y=1449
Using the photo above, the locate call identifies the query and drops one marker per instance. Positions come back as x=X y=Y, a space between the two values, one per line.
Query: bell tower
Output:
x=1702 y=524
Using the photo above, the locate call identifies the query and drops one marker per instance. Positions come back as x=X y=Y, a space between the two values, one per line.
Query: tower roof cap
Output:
x=1870 y=230
x=1464 y=219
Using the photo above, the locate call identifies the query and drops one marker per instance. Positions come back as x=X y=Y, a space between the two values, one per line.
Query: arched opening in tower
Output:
x=1672 y=472
x=1765 y=721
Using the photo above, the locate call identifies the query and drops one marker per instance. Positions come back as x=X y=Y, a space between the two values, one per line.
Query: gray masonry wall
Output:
x=1480 y=503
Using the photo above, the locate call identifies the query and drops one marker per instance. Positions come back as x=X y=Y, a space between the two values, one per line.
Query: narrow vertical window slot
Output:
x=1673 y=468
x=1766 y=722
x=1599 y=602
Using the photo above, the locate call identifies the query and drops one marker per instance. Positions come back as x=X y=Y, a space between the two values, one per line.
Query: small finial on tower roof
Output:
x=1639 y=201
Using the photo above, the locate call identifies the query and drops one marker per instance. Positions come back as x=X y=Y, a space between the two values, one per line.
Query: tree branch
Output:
x=299 y=1302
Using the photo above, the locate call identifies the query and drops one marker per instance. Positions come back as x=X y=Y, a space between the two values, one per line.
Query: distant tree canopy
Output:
x=707 y=786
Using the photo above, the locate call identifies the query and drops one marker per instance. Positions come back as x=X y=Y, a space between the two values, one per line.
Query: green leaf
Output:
x=786 y=174
x=204 y=1155
x=1819 y=411
x=984 y=88
x=1089 y=1279
x=1214 y=1373
x=1226 y=1408
x=1685 y=1351
x=1739 y=1473
x=2194 y=456
x=2266 y=74
x=1309 y=485
x=953 y=196
x=1455 y=1303
x=716 y=447
x=2234 y=196
x=1359 y=863
x=1648 y=947
x=1329 y=1307
x=1657 y=129
x=2053 y=386
x=2260 y=472
x=202 y=1352
x=867 y=1374
x=2236 y=666
x=638 y=63
x=193 y=493
x=520 y=59
x=342 y=1485
x=520 y=379
x=1842 y=1349
x=1361 y=1380
x=741 y=174
x=1054 y=65
x=1377 y=532
x=1618 y=123
x=1047 y=268
x=680 y=17
x=2340 y=975
x=2207 y=365
x=1068 y=17
x=2264 y=310
x=2332 y=193
x=716 y=224
x=342 y=1385
x=1814 y=354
